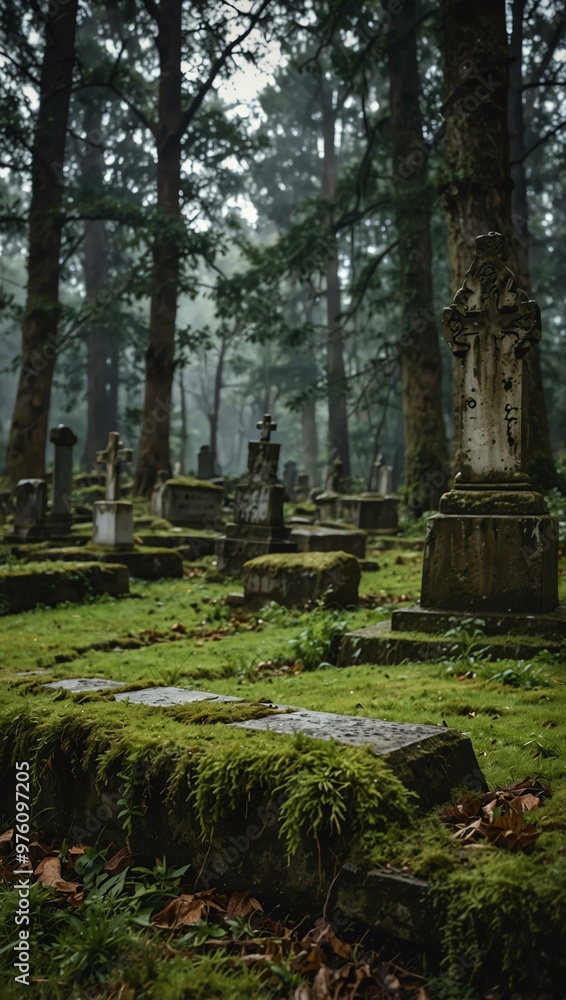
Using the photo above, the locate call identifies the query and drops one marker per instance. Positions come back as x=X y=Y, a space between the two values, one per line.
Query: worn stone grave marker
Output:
x=30 y=508
x=290 y=479
x=492 y=550
x=113 y=519
x=63 y=439
x=303 y=487
x=205 y=463
x=187 y=501
x=258 y=527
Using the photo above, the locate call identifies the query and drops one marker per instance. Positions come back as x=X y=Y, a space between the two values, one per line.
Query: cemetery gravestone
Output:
x=303 y=487
x=492 y=550
x=113 y=519
x=258 y=527
x=290 y=479
x=205 y=463
x=30 y=509
x=63 y=439
x=187 y=501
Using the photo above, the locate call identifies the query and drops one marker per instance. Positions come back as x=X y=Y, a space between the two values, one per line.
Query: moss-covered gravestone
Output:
x=299 y=578
x=258 y=527
x=187 y=501
x=492 y=551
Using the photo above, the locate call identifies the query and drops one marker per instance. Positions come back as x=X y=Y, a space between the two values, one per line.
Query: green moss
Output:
x=322 y=562
x=161 y=524
x=202 y=484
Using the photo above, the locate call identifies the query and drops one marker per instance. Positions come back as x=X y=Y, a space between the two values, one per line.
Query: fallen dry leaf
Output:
x=122 y=859
x=242 y=904
x=48 y=872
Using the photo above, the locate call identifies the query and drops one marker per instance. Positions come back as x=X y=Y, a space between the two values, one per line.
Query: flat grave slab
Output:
x=162 y=696
x=79 y=684
x=430 y=760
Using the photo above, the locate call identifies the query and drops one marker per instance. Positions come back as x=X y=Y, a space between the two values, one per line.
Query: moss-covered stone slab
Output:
x=380 y=645
x=163 y=696
x=192 y=544
x=298 y=579
x=429 y=760
x=76 y=685
x=318 y=539
x=22 y=588
x=551 y=624
x=388 y=902
x=148 y=564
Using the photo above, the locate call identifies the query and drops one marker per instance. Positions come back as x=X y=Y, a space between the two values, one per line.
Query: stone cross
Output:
x=265 y=427
x=490 y=327
x=114 y=456
x=62 y=485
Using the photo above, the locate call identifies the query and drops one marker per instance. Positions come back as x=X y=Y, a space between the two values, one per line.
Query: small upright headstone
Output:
x=303 y=488
x=290 y=479
x=113 y=519
x=205 y=463
x=385 y=481
x=177 y=471
x=30 y=508
x=63 y=439
x=335 y=477
x=258 y=527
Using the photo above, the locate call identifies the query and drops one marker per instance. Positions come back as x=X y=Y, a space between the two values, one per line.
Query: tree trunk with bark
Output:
x=338 y=439
x=153 y=452
x=426 y=451
x=217 y=398
x=99 y=415
x=310 y=441
x=542 y=467
x=25 y=454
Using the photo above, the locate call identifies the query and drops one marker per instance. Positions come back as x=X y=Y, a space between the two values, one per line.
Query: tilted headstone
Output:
x=113 y=519
x=63 y=440
x=493 y=547
x=258 y=527
x=205 y=463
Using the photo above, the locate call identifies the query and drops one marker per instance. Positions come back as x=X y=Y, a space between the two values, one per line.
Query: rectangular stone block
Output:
x=371 y=513
x=185 y=502
x=492 y=563
x=113 y=523
x=330 y=540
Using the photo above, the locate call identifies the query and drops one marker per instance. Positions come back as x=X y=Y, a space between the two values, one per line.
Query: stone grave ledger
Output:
x=258 y=528
x=112 y=518
x=186 y=501
x=493 y=547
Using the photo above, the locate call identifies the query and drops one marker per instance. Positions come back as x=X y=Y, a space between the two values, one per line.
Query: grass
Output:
x=511 y=710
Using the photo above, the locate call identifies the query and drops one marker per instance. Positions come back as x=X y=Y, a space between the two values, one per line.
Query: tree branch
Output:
x=539 y=142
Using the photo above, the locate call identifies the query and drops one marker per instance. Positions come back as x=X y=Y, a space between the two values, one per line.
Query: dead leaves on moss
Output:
x=497 y=817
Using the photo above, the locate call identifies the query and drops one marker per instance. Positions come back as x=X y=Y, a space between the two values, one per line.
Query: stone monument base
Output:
x=243 y=542
x=492 y=563
x=433 y=621
x=113 y=523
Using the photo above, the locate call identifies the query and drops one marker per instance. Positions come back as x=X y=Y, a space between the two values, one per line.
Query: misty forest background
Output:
x=212 y=210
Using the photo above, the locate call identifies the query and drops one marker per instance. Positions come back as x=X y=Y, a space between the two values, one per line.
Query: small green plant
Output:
x=522 y=675
x=317 y=642
x=466 y=653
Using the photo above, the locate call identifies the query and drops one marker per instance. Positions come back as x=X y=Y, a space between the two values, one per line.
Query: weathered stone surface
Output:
x=30 y=509
x=63 y=440
x=191 y=546
x=114 y=456
x=152 y=565
x=23 y=590
x=297 y=579
x=187 y=501
x=370 y=512
x=78 y=684
x=430 y=760
x=389 y=902
x=205 y=463
x=161 y=696
x=499 y=563
x=319 y=539
x=113 y=523
x=379 y=644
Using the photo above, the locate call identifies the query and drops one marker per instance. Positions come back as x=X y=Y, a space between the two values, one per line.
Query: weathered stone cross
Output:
x=114 y=456
x=265 y=426
x=491 y=326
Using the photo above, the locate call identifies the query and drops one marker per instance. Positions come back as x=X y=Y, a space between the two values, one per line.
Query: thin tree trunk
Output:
x=25 y=455
x=426 y=452
x=542 y=467
x=99 y=422
x=153 y=453
x=184 y=424
x=218 y=385
x=338 y=439
x=310 y=441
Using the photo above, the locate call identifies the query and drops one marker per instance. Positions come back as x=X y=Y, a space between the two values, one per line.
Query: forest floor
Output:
x=499 y=898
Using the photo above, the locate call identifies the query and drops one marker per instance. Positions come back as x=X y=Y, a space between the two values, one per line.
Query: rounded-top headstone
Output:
x=63 y=435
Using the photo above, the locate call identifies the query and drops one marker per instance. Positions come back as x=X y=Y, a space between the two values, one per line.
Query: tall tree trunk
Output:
x=153 y=453
x=216 y=400
x=310 y=441
x=99 y=422
x=542 y=468
x=426 y=452
x=184 y=424
x=25 y=455
x=338 y=440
